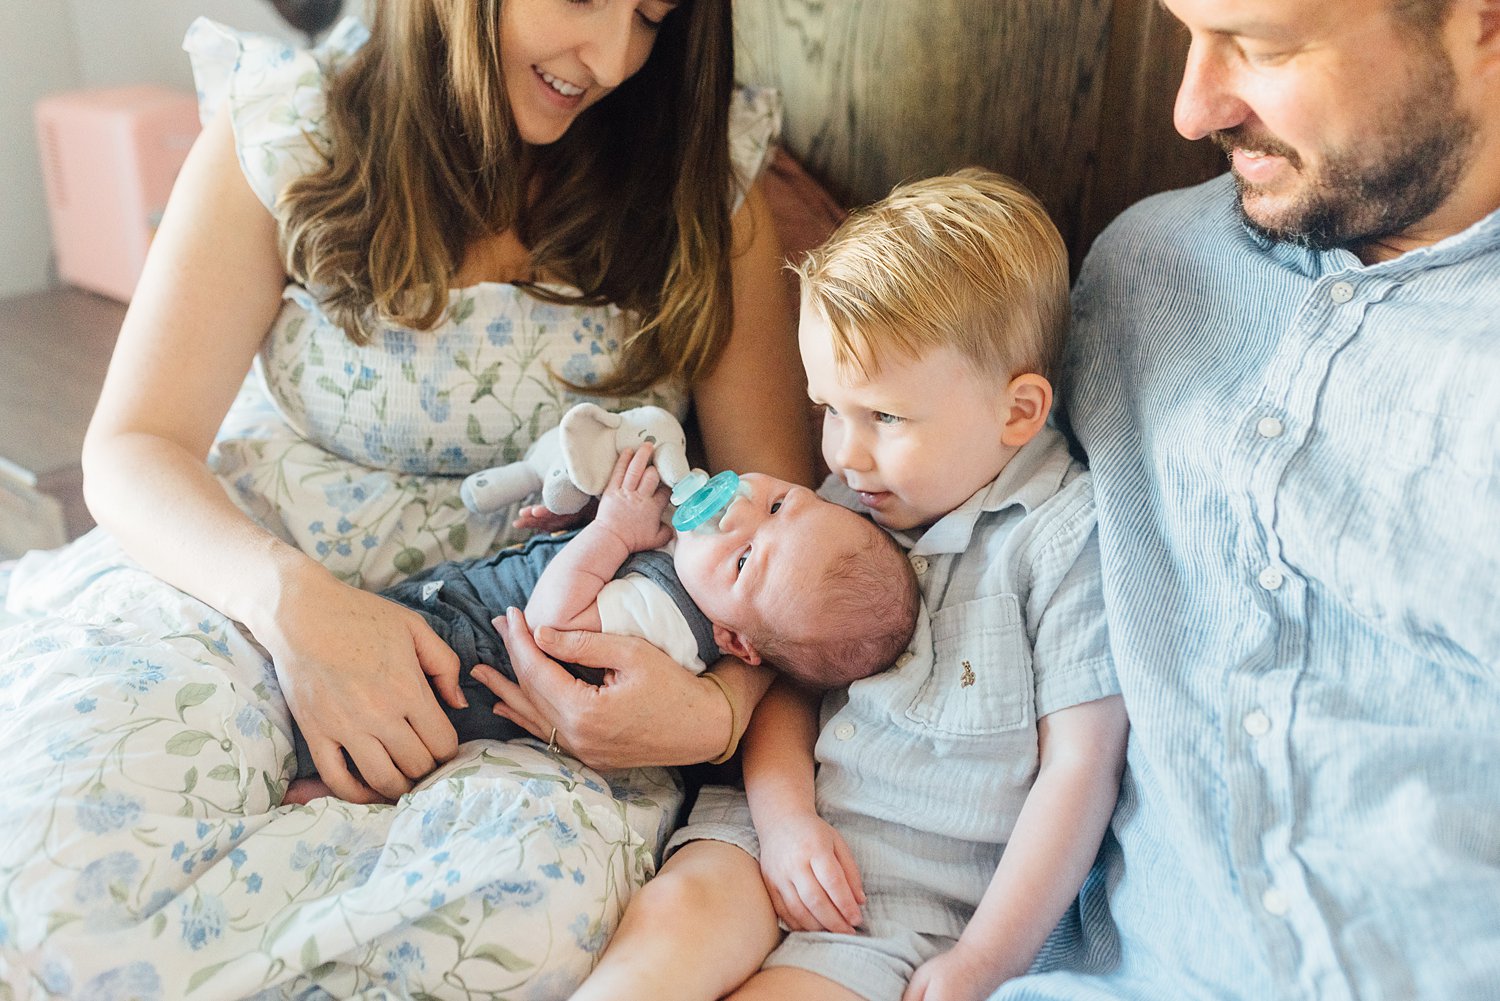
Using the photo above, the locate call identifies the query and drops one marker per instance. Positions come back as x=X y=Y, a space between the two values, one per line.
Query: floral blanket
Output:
x=143 y=853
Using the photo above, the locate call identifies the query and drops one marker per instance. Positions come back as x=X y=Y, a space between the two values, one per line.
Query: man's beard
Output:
x=1395 y=180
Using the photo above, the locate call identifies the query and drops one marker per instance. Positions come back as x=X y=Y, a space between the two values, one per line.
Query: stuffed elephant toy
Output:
x=571 y=463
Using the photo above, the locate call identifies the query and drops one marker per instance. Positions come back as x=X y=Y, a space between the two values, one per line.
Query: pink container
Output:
x=109 y=157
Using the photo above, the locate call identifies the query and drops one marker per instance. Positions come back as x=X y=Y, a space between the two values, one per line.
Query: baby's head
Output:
x=931 y=323
x=810 y=587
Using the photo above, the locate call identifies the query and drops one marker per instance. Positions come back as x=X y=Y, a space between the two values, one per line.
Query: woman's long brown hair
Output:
x=631 y=204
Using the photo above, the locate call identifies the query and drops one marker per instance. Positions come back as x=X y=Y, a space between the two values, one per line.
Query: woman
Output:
x=485 y=212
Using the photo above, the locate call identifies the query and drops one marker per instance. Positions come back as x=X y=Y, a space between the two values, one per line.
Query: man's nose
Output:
x=1206 y=98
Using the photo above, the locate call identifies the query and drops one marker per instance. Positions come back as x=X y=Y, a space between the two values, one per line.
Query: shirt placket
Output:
x=1260 y=712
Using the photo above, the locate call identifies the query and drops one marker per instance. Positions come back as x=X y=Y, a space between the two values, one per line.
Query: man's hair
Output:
x=1427 y=16
x=864 y=612
x=968 y=260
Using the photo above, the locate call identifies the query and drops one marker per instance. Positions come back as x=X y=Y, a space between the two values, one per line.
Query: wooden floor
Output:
x=54 y=349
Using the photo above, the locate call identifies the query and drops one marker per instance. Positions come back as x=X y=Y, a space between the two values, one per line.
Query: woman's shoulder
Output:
x=754 y=128
x=275 y=93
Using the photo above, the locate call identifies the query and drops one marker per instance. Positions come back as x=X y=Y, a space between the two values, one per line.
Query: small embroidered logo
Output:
x=968 y=678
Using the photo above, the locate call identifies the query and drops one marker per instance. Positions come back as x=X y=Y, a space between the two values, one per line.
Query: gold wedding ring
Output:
x=552 y=742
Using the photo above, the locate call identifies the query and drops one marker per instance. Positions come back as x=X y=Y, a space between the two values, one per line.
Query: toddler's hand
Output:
x=960 y=974
x=811 y=876
x=632 y=504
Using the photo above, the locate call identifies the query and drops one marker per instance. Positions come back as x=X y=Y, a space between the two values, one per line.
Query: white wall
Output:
x=52 y=45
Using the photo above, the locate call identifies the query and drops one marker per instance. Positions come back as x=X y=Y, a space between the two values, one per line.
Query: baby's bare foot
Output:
x=303 y=791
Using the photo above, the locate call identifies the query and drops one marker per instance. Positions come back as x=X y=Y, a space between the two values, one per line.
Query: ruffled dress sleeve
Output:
x=276 y=95
x=754 y=128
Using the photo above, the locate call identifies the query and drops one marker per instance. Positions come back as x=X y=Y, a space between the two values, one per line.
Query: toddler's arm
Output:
x=1050 y=852
x=808 y=871
x=629 y=521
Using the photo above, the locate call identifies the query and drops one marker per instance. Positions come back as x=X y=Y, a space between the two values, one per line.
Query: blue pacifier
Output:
x=702 y=500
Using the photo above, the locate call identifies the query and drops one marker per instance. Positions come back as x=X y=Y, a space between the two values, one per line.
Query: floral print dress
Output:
x=144 y=853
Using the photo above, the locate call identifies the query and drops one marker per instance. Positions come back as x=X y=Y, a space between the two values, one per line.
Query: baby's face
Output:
x=768 y=556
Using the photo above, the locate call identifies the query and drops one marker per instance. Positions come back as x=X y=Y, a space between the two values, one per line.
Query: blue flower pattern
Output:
x=155 y=767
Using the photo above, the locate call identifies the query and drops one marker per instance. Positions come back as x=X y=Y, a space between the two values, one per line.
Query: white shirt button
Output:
x=844 y=731
x=1275 y=902
x=919 y=564
x=1341 y=292
x=1269 y=427
x=1257 y=723
x=1271 y=578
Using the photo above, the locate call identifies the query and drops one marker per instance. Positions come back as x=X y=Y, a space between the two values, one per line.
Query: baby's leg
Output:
x=693 y=933
x=788 y=983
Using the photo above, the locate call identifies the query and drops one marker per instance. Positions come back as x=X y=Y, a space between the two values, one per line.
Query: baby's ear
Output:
x=736 y=644
x=1028 y=401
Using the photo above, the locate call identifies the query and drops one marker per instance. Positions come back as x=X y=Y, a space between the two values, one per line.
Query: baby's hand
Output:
x=632 y=504
x=811 y=876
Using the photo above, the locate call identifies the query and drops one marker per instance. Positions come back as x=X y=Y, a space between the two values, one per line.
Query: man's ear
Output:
x=1028 y=401
x=736 y=644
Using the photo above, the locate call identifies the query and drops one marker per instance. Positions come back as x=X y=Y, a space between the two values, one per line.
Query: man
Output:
x=1288 y=384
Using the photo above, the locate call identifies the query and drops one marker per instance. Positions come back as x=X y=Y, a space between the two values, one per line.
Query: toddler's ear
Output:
x=736 y=644
x=1028 y=401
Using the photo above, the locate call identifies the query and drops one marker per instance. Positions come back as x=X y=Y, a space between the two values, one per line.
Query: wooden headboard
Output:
x=1072 y=97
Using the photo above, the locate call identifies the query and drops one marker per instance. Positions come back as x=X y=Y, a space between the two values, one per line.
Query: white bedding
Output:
x=142 y=853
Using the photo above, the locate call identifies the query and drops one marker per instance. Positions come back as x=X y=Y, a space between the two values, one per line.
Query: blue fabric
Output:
x=1297 y=466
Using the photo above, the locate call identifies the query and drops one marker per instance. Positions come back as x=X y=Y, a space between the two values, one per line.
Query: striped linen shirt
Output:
x=1297 y=468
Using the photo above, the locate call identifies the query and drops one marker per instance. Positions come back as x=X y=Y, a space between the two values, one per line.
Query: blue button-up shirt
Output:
x=1297 y=468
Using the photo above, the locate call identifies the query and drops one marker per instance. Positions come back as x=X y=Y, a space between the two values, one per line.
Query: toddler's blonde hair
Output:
x=969 y=260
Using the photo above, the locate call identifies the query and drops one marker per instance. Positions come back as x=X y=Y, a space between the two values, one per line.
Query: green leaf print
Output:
x=503 y=957
x=329 y=386
x=188 y=743
x=458 y=536
x=409 y=560
x=475 y=431
x=193 y=695
x=198 y=979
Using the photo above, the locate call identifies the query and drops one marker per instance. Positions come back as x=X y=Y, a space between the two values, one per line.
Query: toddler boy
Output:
x=962 y=795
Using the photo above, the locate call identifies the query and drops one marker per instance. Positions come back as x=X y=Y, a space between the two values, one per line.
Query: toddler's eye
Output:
x=739 y=564
x=775 y=506
x=884 y=418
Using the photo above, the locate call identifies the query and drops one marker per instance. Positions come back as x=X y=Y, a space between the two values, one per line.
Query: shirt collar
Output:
x=1032 y=476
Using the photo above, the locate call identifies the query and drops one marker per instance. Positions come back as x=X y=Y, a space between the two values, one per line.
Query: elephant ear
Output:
x=588 y=446
x=665 y=432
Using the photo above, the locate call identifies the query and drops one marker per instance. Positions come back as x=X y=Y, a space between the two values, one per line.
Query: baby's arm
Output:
x=629 y=521
x=1050 y=852
x=808 y=871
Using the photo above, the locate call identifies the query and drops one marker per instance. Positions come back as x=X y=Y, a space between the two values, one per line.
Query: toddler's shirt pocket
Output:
x=981 y=681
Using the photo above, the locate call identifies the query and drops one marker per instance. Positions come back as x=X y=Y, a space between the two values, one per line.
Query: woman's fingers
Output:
x=439 y=663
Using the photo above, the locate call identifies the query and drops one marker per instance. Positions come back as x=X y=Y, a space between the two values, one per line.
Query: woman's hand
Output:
x=536 y=518
x=354 y=668
x=649 y=711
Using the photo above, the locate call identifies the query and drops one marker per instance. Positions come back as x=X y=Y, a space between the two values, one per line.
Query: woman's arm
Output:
x=752 y=408
x=351 y=663
x=1050 y=852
